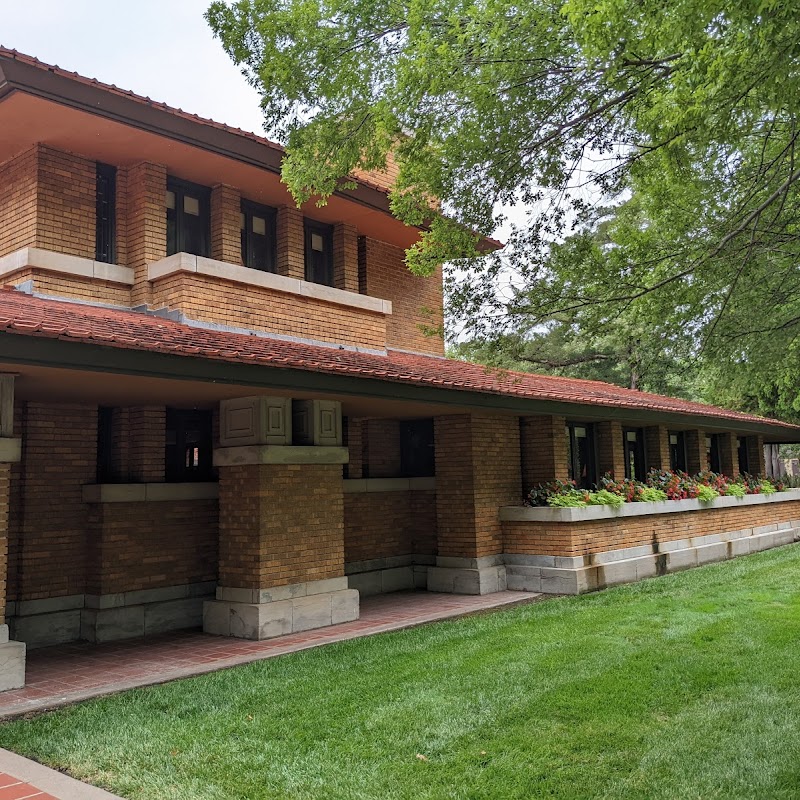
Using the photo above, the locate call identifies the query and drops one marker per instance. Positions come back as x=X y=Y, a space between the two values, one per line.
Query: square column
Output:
x=728 y=454
x=281 y=529
x=477 y=471
x=695 y=451
x=656 y=442
x=755 y=455
x=610 y=452
x=12 y=654
x=543 y=443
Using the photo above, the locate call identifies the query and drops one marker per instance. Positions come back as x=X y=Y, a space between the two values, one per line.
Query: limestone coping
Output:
x=588 y=513
x=74 y=266
x=186 y=262
x=279 y=454
x=10 y=450
x=148 y=492
x=362 y=485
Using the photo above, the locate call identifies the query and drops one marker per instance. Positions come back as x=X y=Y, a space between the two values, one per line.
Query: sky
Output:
x=162 y=49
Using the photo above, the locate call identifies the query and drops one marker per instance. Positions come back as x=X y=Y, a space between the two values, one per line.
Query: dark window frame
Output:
x=713 y=460
x=311 y=227
x=179 y=423
x=639 y=472
x=249 y=209
x=105 y=445
x=105 y=237
x=743 y=456
x=417 y=448
x=177 y=217
x=677 y=451
x=573 y=455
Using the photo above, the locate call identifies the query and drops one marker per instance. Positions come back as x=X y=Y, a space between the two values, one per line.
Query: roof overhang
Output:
x=49 y=106
x=83 y=357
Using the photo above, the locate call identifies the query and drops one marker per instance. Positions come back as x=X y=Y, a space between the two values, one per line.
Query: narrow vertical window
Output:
x=105 y=445
x=744 y=461
x=319 y=253
x=633 y=445
x=677 y=451
x=417 y=454
x=581 y=454
x=258 y=228
x=188 y=218
x=188 y=453
x=105 y=220
x=712 y=453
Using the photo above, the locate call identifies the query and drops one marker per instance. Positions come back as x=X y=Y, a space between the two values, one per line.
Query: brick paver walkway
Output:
x=13 y=789
x=68 y=673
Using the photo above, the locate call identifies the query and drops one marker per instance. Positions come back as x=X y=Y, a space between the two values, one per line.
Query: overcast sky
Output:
x=162 y=49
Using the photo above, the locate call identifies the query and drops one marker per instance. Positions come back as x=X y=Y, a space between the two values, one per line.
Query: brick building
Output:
x=217 y=409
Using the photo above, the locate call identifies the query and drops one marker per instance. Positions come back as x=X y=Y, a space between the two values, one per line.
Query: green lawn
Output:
x=680 y=687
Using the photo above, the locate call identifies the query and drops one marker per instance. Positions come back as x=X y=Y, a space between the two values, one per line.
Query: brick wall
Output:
x=597 y=536
x=543 y=443
x=66 y=199
x=477 y=471
x=280 y=524
x=5 y=493
x=51 y=521
x=137 y=546
x=145 y=224
x=728 y=454
x=656 y=443
x=291 y=243
x=18 y=202
x=384 y=524
x=695 y=451
x=226 y=232
x=755 y=455
x=345 y=257
x=416 y=301
x=212 y=300
x=610 y=453
x=381 y=448
x=52 y=283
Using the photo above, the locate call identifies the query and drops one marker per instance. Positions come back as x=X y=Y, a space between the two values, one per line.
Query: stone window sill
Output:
x=525 y=514
x=148 y=492
x=185 y=262
x=74 y=266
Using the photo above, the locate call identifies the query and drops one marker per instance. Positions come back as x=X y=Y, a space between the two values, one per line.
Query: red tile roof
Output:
x=22 y=314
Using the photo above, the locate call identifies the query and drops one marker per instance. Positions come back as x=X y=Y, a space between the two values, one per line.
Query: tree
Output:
x=689 y=107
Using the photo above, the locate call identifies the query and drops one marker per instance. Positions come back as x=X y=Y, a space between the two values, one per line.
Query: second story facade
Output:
x=109 y=198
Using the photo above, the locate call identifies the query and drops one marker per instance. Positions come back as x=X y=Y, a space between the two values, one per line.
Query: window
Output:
x=188 y=451
x=712 y=453
x=580 y=455
x=258 y=236
x=319 y=253
x=105 y=445
x=105 y=220
x=744 y=461
x=417 y=454
x=188 y=221
x=677 y=451
x=633 y=446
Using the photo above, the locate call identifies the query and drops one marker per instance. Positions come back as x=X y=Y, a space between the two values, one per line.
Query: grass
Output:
x=680 y=687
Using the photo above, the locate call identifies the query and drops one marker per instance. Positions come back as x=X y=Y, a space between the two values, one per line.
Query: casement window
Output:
x=188 y=451
x=258 y=236
x=633 y=448
x=712 y=453
x=744 y=460
x=417 y=452
x=677 y=451
x=188 y=219
x=105 y=219
x=581 y=461
x=319 y=252
x=105 y=445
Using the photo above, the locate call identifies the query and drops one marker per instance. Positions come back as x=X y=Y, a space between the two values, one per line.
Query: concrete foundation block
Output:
x=397 y=579
x=366 y=583
x=677 y=560
x=12 y=665
x=110 y=624
x=710 y=553
x=345 y=606
x=453 y=580
x=217 y=617
x=42 y=630
x=173 y=615
x=617 y=572
x=738 y=547
x=646 y=567
x=520 y=578
x=311 y=612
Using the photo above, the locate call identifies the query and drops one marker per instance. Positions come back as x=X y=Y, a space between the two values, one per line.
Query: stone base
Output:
x=265 y=613
x=467 y=575
x=108 y=617
x=580 y=574
x=12 y=662
x=392 y=574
